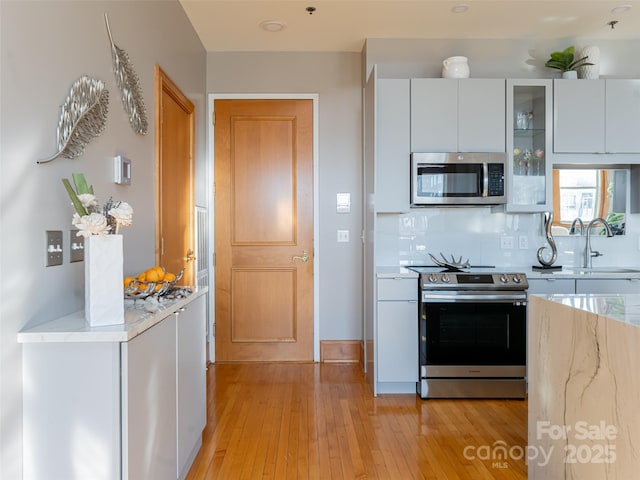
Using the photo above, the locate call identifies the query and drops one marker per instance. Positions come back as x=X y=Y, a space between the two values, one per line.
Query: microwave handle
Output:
x=485 y=179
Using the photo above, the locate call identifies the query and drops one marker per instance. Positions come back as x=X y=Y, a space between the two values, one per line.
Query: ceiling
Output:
x=343 y=25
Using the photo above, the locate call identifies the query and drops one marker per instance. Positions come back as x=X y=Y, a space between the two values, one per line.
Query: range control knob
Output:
x=504 y=278
x=445 y=278
x=433 y=278
x=516 y=279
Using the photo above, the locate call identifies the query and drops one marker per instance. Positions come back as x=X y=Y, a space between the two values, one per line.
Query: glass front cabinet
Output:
x=529 y=134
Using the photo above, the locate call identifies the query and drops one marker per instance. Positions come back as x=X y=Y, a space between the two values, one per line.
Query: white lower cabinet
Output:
x=624 y=285
x=398 y=341
x=109 y=410
x=396 y=338
x=149 y=403
x=191 y=382
x=582 y=285
x=551 y=285
x=71 y=411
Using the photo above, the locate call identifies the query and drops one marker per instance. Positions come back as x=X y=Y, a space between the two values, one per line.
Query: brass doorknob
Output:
x=190 y=256
x=304 y=258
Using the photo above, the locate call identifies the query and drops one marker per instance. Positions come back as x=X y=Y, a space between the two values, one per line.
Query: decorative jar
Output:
x=590 y=72
x=455 y=67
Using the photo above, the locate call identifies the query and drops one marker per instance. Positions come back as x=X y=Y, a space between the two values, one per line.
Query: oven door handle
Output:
x=475 y=297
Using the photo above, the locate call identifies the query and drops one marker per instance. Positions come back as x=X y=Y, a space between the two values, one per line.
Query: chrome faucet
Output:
x=588 y=253
x=579 y=221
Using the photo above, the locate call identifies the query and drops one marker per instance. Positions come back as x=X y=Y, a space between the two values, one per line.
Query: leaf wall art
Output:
x=129 y=85
x=83 y=116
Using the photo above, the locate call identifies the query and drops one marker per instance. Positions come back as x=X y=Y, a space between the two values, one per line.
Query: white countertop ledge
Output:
x=74 y=328
x=624 y=308
x=395 y=272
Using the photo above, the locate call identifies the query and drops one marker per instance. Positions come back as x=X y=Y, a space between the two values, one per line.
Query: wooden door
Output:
x=174 y=147
x=264 y=230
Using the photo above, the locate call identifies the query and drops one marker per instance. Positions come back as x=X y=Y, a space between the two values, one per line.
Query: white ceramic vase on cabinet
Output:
x=593 y=56
x=455 y=67
x=103 y=267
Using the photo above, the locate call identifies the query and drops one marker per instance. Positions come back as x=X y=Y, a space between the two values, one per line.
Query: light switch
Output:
x=76 y=247
x=122 y=170
x=53 y=248
x=343 y=202
x=343 y=236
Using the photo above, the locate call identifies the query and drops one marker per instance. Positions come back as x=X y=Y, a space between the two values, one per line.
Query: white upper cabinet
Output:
x=622 y=116
x=449 y=115
x=481 y=115
x=596 y=116
x=392 y=145
x=578 y=108
x=529 y=169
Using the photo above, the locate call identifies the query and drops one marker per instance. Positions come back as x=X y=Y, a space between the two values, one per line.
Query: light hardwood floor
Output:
x=321 y=421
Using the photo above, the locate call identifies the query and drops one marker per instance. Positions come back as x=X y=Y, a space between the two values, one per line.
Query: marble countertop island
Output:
x=583 y=353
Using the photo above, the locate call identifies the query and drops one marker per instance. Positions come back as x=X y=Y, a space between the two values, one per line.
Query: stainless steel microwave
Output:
x=458 y=178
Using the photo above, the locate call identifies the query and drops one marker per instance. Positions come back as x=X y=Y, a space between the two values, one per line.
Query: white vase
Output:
x=455 y=67
x=570 y=74
x=593 y=56
x=103 y=292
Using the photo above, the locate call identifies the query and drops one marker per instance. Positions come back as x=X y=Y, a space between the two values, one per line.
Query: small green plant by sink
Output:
x=565 y=60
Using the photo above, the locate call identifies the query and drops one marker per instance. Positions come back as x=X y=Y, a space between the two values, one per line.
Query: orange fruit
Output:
x=169 y=277
x=127 y=281
x=151 y=275
x=142 y=277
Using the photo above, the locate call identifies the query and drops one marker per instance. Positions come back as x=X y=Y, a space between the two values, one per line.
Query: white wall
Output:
x=45 y=47
x=515 y=58
x=336 y=78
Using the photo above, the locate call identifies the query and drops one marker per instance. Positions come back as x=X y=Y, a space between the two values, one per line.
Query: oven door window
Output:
x=456 y=180
x=475 y=334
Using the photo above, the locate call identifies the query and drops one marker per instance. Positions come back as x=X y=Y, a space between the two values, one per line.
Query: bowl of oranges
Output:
x=155 y=281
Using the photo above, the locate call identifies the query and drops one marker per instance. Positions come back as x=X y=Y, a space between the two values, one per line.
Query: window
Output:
x=587 y=194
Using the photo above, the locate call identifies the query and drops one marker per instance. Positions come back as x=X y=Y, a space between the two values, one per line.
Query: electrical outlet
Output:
x=506 y=242
x=53 y=248
x=343 y=236
x=523 y=242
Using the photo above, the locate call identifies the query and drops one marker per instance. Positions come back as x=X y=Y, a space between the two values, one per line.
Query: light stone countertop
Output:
x=74 y=328
x=624 y=308
x=395 y=272
x=583 y=385
x=566 y=272
x=581 y=273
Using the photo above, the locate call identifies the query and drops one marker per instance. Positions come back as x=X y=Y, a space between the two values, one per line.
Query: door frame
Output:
x=212 y=97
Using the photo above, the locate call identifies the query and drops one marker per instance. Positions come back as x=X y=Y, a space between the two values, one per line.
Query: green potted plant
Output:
x=565 y=62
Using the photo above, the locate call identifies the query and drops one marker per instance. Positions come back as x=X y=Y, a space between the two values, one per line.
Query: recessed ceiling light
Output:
x=460 y=8
x=272 y=26
x=621 y=9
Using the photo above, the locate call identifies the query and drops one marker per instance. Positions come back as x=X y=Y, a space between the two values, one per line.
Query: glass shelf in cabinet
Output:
x=529 y=132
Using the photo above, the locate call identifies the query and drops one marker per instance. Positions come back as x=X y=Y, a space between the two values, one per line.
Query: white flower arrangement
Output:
x=90 y=218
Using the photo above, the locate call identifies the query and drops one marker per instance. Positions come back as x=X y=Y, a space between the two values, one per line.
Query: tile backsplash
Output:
x=481 y=235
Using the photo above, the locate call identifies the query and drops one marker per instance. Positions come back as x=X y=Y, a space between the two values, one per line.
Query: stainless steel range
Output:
x=472 y=333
